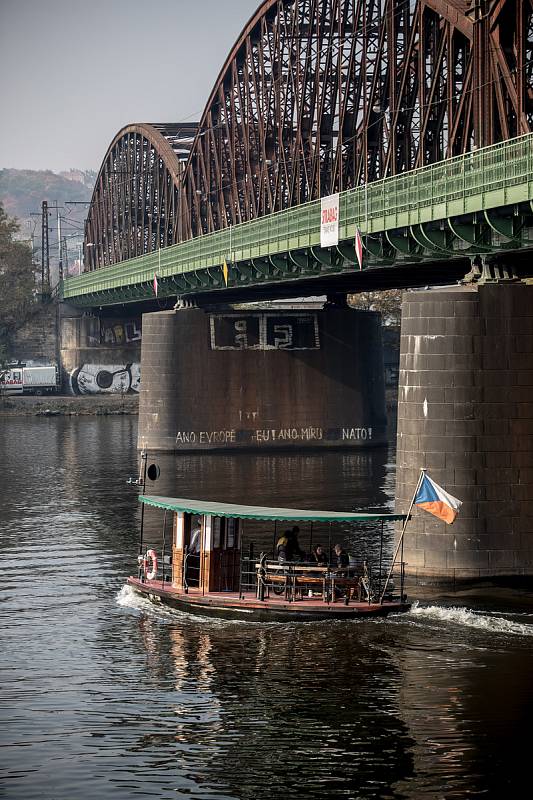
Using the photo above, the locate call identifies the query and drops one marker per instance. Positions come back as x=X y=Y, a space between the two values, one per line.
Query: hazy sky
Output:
x=73 y=72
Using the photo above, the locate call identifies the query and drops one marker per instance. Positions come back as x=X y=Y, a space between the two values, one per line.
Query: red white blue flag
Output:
x=432 y=497
x=359 y=248
x=155 y=284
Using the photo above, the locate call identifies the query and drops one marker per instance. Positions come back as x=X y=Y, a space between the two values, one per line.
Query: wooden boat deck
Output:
x=276 y=607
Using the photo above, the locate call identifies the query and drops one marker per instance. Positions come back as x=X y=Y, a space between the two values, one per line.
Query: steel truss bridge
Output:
x=419 y=113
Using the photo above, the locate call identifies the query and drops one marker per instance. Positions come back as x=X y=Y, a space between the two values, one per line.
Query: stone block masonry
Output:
x=262 y=379
x=465 y=412
x=36 y=339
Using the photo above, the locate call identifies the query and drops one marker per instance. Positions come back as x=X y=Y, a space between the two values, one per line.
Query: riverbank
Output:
x=67 y=406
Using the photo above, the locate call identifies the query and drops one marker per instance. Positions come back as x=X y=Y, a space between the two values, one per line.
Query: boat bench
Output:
x=294 y=582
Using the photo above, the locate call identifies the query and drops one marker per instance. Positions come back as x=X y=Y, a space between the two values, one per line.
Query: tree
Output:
x=17 y=278
x=388 y=302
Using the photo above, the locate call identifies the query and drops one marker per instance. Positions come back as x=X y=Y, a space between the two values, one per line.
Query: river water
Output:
x=105 y=696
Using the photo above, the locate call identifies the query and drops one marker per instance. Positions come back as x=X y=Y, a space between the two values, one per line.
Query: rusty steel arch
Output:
x=137 y=196
x=318 y=96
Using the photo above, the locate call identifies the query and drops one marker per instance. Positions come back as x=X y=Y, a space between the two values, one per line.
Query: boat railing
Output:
x=248 y=575
x=299 y=580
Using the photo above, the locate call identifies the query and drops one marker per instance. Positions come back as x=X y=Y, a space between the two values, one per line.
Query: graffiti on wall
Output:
x=120 y=332
x=105 y=379
x=264 y=332
x=310 y=434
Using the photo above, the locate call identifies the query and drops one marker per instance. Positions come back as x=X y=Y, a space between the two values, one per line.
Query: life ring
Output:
x=151 y=555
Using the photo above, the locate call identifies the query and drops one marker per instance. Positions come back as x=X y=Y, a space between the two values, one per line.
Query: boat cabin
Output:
x=202 y=559
x=206 y=552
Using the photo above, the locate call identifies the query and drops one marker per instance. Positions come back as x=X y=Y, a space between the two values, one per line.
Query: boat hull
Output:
x=228 y=605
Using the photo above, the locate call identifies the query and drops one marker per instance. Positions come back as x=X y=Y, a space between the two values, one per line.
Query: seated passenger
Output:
x=319 y=556
x=288 y=547
x=343 y=559
x=283 y=547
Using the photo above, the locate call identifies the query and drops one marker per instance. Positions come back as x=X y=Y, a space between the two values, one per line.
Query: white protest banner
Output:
x=329 y=221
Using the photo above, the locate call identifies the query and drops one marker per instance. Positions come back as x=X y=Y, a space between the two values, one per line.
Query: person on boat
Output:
x=319 y=556
x=296 y=549
x=343 y=559
x=283 y=547
x=194 y=546
x=287 y=546
x=192 y=568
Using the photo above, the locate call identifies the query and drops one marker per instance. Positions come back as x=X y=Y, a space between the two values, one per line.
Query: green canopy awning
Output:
x=263 y=512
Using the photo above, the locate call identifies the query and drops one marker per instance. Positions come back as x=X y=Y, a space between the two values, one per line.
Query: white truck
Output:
x=22 y=379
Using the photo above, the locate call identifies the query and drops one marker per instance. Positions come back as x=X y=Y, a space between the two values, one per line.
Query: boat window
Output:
x=217 y=529
x=231 y=530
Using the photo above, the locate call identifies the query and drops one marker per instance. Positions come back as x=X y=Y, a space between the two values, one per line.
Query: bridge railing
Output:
x=491 y=177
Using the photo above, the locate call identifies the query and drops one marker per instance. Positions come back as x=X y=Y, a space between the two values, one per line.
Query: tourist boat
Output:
x=201 y=567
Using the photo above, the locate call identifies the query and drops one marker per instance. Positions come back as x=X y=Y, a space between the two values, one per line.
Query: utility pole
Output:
x=63 y=261
x=45 y=258
x=59 y=245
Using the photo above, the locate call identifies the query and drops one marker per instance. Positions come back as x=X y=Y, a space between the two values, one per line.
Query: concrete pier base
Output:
x=262 y=379
x=465 y=413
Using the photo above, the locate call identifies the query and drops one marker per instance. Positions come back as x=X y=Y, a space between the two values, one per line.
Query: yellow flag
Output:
x=225 y=272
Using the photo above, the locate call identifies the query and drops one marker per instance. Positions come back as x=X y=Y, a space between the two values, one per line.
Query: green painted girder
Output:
x=455 y=208
x=379 y=249
x=509 y=225
x=328 y=257
x=262 y=266
x=281 y=262
x=405 y=243
x=346 y=251
x=245 y=271
x=473 y=233
x=305 y=261
x=434 y=240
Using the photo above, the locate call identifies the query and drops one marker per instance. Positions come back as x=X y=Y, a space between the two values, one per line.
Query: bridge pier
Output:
x=265 y=379
x=465 y=413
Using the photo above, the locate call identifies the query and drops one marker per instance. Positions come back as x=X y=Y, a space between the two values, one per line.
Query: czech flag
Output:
x=432 y=497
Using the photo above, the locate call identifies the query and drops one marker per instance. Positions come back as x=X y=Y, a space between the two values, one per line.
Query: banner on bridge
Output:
x=329 y=221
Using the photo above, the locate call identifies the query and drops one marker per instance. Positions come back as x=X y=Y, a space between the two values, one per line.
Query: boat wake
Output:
x=127 y=598
x=472 y=619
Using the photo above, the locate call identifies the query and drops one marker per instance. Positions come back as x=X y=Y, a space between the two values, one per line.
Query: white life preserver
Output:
x=151 y=555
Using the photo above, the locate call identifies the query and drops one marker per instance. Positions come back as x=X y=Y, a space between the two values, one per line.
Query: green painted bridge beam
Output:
x=477 y=203
x=405 y=243
x=328 y=257
x=472 y=233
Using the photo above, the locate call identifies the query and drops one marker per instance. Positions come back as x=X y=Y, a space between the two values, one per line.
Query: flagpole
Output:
x=400 y=540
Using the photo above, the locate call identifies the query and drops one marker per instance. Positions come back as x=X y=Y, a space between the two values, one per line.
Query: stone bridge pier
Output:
x=261 y=379
x=465 y=413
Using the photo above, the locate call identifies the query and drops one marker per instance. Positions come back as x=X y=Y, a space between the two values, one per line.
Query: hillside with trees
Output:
x=22 y=190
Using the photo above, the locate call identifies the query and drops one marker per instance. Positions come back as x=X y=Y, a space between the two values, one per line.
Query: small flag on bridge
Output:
x=155 y=284
x=225 y=272
x=359 y=247
x=432 y=497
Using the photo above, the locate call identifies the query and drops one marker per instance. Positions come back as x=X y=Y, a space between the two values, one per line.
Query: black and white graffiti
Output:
x=105 y=379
